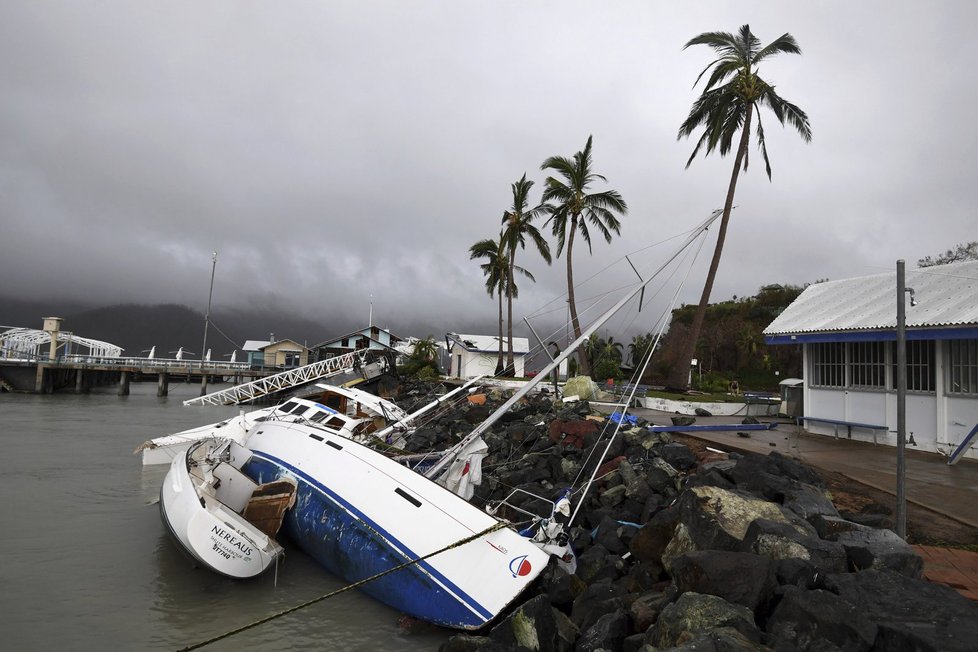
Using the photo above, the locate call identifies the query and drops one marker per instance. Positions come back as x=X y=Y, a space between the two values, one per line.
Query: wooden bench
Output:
x=848 y=424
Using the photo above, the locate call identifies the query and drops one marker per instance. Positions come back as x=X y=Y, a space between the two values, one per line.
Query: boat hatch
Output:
x=408 y=497
x=268 y=503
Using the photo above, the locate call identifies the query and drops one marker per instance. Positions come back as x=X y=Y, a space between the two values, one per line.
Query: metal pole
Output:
x=901 y=360
x=207 y=321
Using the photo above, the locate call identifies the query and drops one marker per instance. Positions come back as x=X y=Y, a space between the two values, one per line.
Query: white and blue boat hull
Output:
x=359 y=514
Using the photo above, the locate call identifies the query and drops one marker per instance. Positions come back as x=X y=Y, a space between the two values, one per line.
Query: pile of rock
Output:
x=675 y=552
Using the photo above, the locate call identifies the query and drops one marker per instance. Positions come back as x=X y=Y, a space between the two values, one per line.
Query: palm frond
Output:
x=784 y=44
x=762 y=145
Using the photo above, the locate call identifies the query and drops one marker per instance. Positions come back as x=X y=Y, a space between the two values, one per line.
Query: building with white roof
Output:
x=847 y=329
x=476 y=355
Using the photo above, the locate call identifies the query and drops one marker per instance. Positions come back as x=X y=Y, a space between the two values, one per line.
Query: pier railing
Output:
x=285 y=380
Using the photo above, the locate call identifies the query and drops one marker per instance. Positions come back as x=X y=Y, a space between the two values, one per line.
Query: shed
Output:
x=847 y=329
x=475 y=355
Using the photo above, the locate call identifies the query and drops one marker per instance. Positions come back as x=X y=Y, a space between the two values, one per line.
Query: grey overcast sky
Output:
x=329 y=151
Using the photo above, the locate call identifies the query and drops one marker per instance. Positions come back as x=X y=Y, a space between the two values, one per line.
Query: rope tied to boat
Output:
x=498 y=526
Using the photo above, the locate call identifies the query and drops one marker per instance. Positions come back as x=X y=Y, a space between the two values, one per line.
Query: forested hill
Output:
x=731 y=344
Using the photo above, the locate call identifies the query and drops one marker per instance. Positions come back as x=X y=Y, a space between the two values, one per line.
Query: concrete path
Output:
x=948 y=490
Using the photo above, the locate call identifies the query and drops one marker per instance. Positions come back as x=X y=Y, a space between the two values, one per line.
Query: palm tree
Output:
x=639 y=347
x=518 y=226
x=573 y=210
x=426 y=350
x=724 y=108
x=497 y=272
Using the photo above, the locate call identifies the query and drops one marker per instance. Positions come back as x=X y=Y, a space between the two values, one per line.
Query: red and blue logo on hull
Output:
x=519 y=566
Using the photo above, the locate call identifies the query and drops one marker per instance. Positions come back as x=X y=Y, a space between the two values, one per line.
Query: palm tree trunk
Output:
x=584 y=368
x=499 y=360
x=680 y=373
x=510 y=370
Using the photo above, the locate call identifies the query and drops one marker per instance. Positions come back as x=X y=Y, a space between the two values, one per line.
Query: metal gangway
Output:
x=284 y=380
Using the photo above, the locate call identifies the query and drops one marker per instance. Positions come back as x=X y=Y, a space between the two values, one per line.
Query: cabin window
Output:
x=867 y=365
x=319 y=416
x=962 y=366
x=288 y=407
x=920 y=366
x=299 y=407
x=336 y=423
x=828 y=364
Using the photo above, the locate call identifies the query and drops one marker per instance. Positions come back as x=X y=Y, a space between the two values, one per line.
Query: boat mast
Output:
x=541 y=375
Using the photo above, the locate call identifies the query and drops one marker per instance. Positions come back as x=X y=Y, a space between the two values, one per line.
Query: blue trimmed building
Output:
x=847 y=329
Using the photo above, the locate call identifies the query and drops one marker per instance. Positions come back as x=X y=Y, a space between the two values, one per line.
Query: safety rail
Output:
x=285 y=380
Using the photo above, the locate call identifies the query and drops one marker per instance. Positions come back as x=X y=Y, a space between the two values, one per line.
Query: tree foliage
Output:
x=732 y=97
x=575 y=208
x=964 y=251
x=731 y=343
x=423 y=361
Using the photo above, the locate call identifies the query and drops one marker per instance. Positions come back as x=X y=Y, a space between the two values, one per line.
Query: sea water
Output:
x=86 y=563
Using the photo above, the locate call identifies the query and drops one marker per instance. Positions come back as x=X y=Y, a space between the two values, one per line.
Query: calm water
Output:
x=87 y=562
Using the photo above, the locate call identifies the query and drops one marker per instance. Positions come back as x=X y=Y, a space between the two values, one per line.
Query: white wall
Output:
x=938 y=422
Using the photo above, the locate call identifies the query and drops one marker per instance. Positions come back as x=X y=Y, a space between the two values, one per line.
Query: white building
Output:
x=476 y=355
x=848 y=332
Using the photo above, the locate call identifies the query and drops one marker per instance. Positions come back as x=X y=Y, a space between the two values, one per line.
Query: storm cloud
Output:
x=335 y=153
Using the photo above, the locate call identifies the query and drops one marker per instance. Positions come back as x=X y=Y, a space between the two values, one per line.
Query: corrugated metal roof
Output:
x=491 y=343
x=947 y=295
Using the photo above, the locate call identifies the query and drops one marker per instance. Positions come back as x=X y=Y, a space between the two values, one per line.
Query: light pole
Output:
x=207 y=321
x=901 y=362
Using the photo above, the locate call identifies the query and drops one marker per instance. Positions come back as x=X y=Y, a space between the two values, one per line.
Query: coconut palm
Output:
x=496 y=271
x=732 y=96
x=575 y=208
x=639 y=347
x=518 y=226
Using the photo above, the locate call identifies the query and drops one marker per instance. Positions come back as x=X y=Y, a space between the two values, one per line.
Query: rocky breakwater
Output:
x=683 y=552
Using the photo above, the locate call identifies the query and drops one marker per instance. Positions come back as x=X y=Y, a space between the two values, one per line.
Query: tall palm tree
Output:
x=496 y=271
x=573 y=210
x=733 y=94
x=517 y=227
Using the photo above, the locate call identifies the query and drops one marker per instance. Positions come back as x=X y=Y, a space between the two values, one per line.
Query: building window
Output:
x=867 y=364
x=962 y=366
x=829 y=364
x=920 y=366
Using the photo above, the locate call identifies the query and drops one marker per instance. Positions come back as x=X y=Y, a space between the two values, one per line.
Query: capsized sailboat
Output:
x=227 y=521
x=427 y=551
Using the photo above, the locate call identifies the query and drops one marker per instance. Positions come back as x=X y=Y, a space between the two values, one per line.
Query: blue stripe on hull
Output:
x=349 y=547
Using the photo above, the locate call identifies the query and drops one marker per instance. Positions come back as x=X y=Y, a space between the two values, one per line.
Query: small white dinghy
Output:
x=220 y=517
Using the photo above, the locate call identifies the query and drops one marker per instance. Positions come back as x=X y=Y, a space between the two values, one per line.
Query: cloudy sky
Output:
x=330 y=151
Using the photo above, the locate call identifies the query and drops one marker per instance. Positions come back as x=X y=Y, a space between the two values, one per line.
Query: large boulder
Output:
x=598 y=599
x=911 y=614
x=737 y=577
x=678 y=455
x=717 y=519
x=607 y=633
x=531 y=626
x=782 y=541
x=571 y=433
x=806 y=620
x=693 y=614
x=807 y=501
x=880 y=550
